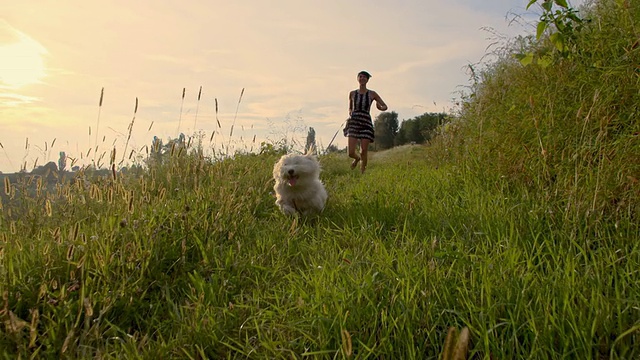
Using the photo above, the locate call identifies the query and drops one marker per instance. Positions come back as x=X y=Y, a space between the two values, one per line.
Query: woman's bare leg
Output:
x=353 y=143
x=364 y=151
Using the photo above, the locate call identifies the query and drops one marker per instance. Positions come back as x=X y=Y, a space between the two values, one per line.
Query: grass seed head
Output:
x=47 y=206
x=347 y=346
x=33 y=328
x=70 y=251
x=131 y=199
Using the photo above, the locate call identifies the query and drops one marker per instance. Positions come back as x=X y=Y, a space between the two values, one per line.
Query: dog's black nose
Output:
x=291 y=172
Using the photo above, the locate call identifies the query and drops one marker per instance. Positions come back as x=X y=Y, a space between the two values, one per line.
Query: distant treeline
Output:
x=418 y=130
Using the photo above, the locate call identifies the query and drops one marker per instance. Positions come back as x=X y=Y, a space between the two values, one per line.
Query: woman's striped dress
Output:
x=359 y=125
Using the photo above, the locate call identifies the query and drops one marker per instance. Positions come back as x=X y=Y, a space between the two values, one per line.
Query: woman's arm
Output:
x=379 y=102
x=350 y=103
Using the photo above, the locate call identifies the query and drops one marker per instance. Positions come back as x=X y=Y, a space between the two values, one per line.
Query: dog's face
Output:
x=296 y=168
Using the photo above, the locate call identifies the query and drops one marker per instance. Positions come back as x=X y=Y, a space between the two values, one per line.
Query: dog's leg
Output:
x=286 y=208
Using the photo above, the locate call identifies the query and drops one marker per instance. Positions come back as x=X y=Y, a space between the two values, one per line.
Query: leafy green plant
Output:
x=565 y=20
x=564 y=24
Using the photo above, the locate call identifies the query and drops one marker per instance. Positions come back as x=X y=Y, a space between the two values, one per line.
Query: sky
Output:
x=274 y=68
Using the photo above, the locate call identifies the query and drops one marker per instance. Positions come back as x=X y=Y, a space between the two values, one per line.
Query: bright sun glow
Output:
x=21 y=62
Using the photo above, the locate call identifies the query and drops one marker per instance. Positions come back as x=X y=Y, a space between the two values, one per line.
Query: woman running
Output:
x=359 y=126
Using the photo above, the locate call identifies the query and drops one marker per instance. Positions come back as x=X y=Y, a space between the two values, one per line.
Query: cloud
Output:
x=21 y=58
x=12 y=100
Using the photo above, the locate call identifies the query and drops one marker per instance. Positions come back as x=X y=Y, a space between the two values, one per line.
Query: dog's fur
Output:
x=298 y=187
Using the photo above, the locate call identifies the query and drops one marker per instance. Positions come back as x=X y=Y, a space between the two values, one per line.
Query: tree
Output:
x=429 y=123
x=155 y=153
x=412 y=132
x=311 y=140
x=401 y=136
x=62 y=161
x=420 y=129
x=386 y=128
x=332 y=149
x=160 y=152
x=47 y=170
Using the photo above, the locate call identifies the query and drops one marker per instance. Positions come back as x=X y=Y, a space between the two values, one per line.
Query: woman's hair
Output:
x=365 y=74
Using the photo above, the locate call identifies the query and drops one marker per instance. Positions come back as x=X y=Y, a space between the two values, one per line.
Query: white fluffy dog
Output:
x=298 y=187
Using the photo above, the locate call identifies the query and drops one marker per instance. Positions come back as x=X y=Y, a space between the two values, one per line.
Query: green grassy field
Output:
x=195 y=261
x=518 y=222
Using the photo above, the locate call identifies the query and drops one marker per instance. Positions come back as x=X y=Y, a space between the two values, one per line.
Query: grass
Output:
x=195 y=261
x=568 y=129
x=518 y=225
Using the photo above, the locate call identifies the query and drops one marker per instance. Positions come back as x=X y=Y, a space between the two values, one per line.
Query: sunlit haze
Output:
x=296 y=61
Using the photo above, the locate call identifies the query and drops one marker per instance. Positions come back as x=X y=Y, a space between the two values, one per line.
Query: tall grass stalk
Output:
x=233 y=124
x=195 y=120
x=6 y=155
x=129 y=131
x=181 y=106
x=95 y=144
x=219 y=129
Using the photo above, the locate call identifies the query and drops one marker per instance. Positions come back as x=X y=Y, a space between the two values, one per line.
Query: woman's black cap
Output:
x=365 y=74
